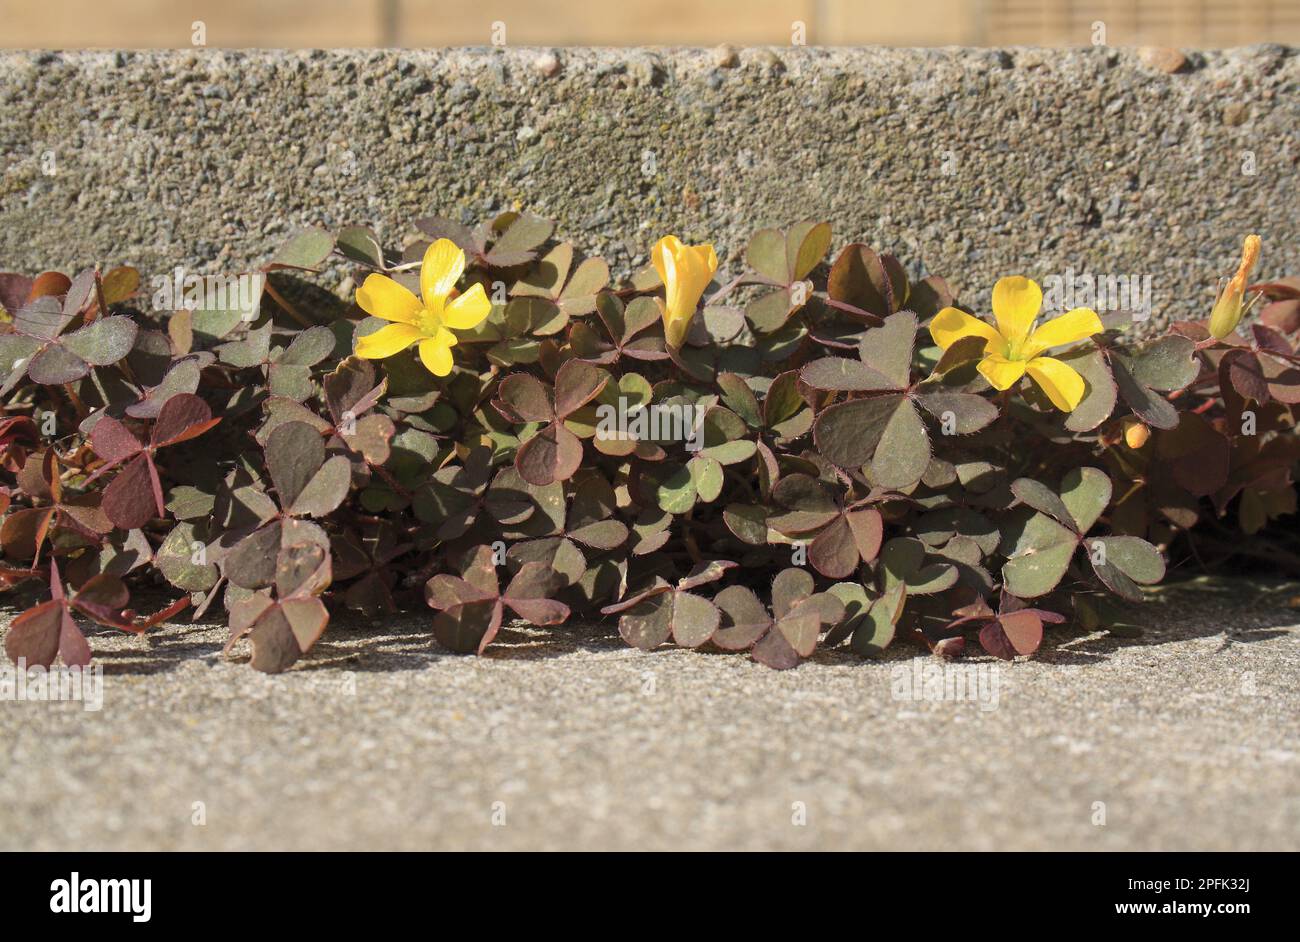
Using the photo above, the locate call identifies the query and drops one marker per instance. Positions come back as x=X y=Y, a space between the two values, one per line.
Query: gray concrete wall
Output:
x=970 y=163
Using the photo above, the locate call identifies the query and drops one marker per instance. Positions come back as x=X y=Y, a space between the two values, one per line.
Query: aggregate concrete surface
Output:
x=1185 y=738
x=970 y=163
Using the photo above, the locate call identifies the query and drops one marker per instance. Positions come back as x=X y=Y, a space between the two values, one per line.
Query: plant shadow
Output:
x=1237 y=610
x=351 y=643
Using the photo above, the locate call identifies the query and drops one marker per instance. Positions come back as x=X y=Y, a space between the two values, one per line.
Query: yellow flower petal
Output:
x=662 y=255
x=435 y=354
x=685 y=271
x=469 y=310
x=1001 y=372
x=1070 y=327
x=1062 y=384
x=951 y=325
x=676 y=329
x=1016 y=301
x=443 y=264
x=381 y=296
x=1226 y=313
x=708 y=258
x=672 y=275
x=386 y=341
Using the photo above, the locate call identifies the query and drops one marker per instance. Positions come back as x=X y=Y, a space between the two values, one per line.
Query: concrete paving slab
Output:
x=1186 y=738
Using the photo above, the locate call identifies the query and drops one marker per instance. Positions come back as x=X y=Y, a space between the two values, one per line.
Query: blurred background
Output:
x=72 y=24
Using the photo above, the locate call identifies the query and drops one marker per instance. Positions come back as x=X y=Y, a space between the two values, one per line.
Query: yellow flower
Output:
x=423 y=320
x=1227 y=309
x=1136 y=432
x=686 y=271
x=1014 y=347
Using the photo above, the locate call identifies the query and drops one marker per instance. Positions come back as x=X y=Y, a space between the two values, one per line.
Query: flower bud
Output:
x=1228 y=308
x=1136 y=433
x=686 y=271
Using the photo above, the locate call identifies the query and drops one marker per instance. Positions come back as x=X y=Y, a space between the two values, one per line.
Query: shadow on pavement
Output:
x=1240 y=611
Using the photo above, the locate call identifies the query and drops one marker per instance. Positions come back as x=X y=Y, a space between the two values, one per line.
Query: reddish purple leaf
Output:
x=576 y=384
x=113 y=441
x=34 y=635
x=524 y=398
x=182 y=417
x=553 y=454
x=129 y=499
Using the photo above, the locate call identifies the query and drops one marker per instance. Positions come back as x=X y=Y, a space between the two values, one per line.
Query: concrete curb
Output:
x=969 y=163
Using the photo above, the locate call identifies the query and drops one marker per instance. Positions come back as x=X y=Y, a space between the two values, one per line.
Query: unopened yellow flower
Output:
x=1015 y=347
x=686 y=271
x=1136 y=432
x=1227 y=309
x=424 y=320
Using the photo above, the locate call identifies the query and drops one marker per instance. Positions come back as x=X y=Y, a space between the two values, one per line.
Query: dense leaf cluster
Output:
x=838 y=477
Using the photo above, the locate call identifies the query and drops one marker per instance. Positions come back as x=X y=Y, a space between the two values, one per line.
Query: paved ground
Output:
x=571 y=740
